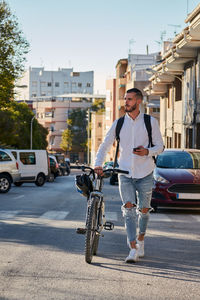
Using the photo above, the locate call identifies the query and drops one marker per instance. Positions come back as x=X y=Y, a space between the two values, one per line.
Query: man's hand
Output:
x=141 y=151
x=98 y=170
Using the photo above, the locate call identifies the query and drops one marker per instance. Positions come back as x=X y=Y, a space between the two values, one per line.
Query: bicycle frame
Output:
x=95 y=214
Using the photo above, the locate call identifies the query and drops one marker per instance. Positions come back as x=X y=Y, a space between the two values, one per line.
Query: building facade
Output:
x=52 y=113
x=38 y=82
x=177 y=81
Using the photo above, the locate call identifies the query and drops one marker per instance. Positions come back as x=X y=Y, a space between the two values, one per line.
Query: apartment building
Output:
x=177 y=81
x=131 y=73
x=38 y=82
x=53 y=112
x=97 y=133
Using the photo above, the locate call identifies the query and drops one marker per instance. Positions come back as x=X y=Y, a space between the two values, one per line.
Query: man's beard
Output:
x=130 y=108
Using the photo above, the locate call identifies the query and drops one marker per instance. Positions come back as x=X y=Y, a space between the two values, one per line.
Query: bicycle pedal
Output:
x=81 y=230
x=108 y=226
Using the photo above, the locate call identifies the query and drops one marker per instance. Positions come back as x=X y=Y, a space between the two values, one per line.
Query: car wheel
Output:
x=18 y=183
x=40 y=180
x=5 y=183
x=112 y=180
x=51 y=177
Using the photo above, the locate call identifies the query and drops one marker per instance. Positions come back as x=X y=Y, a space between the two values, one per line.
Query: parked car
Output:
x=177 y=178
x=114 y=177
x=33 y=166
x=54 y=168
x=64 y=168
x=9 y=170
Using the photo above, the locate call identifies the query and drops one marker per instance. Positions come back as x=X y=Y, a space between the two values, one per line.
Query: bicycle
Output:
x=95 y=214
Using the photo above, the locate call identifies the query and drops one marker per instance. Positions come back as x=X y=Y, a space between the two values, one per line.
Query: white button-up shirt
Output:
x=133 y=134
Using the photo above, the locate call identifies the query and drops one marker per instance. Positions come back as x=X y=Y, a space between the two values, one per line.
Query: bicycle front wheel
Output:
x=92 y=236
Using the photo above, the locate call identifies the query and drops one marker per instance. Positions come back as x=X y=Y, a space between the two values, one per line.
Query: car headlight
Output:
x=159 y=178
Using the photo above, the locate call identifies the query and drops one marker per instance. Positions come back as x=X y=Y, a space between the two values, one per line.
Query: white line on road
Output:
x=8 y=214
x=54 y=215
x=111 y=216
x=197 y=218
x=160 y=218
x=19 y=197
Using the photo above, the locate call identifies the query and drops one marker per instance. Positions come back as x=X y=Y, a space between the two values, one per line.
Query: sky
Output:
x=92 y=35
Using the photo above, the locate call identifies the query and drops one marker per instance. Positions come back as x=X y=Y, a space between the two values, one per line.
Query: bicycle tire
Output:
x=96 y=239
x=91 y=236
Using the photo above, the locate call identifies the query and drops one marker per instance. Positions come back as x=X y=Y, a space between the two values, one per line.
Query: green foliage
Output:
x=74 y=138
x=67 y=139
x=13 y=47
x=98 y=105
x=15 y=124
x=15 y=118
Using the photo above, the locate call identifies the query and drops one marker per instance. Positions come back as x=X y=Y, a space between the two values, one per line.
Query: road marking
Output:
x=111 y=216
x=197 y=218
x=54 y=215
x=19 y=197
x=8 y=214
x=160 y=218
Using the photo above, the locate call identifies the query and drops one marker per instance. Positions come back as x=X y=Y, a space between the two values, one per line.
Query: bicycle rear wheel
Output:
x=92 y=236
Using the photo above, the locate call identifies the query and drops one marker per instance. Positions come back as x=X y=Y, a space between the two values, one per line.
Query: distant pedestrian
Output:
x=137 y=158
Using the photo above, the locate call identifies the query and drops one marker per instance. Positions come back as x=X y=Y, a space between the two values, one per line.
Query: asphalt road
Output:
x=42 y=257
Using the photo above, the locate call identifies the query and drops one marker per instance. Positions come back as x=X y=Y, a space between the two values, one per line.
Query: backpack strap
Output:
x=147 y=121
x=117 y=131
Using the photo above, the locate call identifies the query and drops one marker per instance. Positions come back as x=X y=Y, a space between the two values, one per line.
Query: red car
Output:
x=177 y=178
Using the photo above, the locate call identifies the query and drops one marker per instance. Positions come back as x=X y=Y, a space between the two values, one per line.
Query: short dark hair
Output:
x=137 y=92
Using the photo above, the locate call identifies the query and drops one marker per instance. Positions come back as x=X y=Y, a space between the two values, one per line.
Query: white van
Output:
x=9 y=170
x=33 y=166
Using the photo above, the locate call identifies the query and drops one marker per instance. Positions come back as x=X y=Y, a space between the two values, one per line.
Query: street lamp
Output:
x=31 y=136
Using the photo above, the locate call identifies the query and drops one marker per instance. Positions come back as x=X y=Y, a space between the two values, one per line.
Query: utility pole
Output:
x=88 y=137
x=31 y=135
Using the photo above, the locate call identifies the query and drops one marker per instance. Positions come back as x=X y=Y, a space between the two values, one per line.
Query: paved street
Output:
x=41 y=256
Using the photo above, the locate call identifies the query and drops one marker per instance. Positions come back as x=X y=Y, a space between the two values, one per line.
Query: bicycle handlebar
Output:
x=113 y=170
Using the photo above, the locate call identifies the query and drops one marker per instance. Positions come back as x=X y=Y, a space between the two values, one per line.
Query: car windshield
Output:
x=178 y=160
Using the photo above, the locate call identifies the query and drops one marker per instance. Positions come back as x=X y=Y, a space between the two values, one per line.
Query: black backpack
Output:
x=147 y=121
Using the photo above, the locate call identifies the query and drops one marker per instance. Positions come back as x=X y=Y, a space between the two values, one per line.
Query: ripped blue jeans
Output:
x=128 y=187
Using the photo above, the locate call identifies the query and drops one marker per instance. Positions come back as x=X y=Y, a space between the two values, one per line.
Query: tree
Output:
x=15 y=123
x=13 y=47
x=74 y=138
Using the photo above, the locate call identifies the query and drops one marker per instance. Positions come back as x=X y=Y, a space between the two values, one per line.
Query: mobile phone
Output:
x=135 y=149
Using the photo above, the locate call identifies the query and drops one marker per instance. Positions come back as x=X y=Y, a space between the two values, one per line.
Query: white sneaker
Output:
x=140 y=245
x=133 y=256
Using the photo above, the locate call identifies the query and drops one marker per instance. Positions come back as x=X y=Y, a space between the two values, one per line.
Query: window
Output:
x=43 y=83
x=66 y=84
x=178 y=89
x=4 y=156
x=99 y=124
x=33 y=95
x=48 y=83
x=52 y=139
x=177 y=140
x=79 y=84
x=169 y=142
x=57 y=84
x=27 y=158
x=88 y=84
x=34 y=83
x=108 y=113
x=156 y=109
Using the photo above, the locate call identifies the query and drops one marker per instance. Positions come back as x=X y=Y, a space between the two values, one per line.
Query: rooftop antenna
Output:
x=162 y=34
x=175 y=27
x=131 y=42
